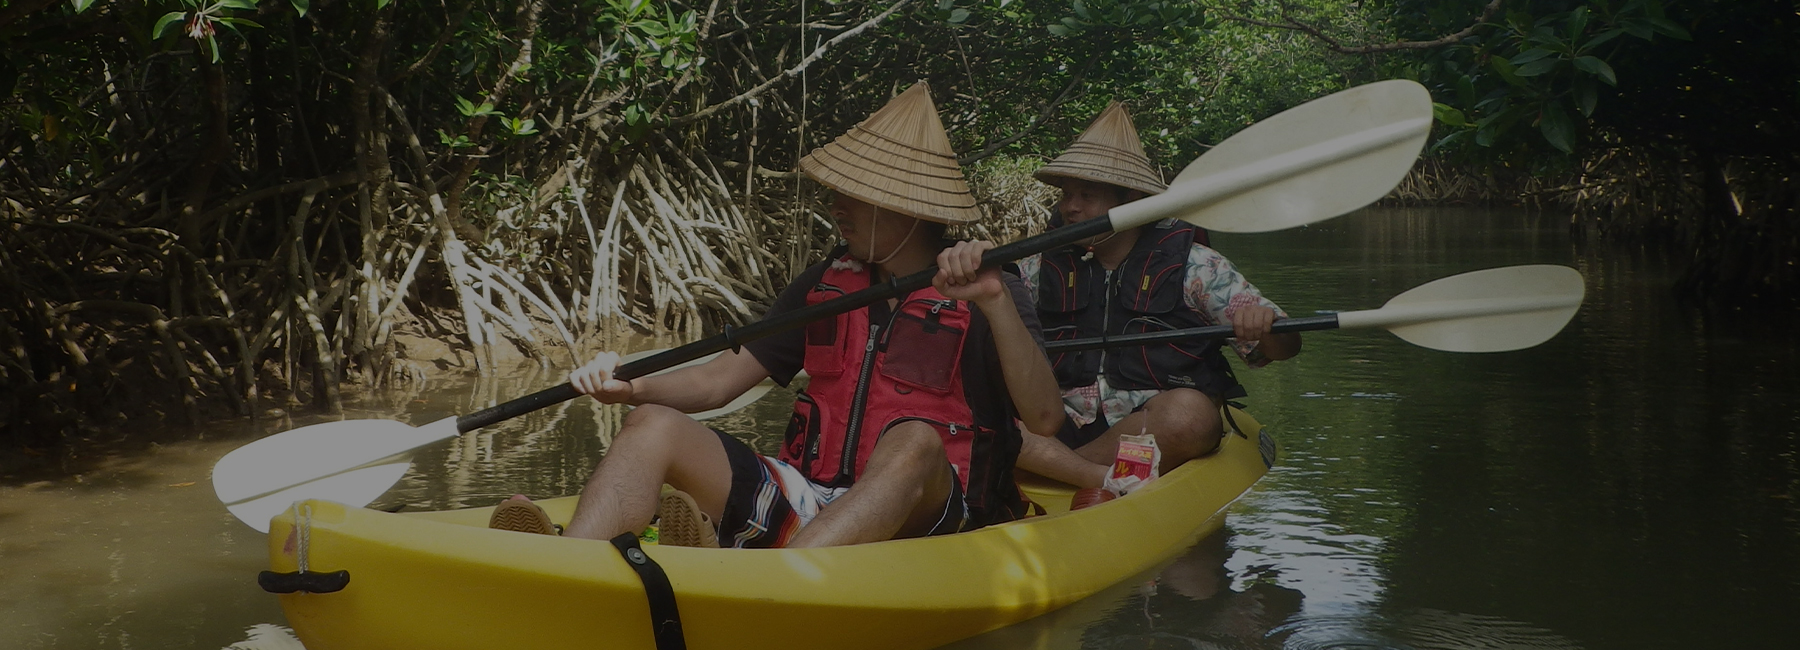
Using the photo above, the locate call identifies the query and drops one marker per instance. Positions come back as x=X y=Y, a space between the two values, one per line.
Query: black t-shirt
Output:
x=984 y=385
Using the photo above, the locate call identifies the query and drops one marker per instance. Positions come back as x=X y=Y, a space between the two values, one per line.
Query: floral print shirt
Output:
x=1215 y=288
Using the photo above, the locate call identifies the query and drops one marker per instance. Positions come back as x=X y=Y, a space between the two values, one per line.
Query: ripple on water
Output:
x=264 y=636
x=1420 y=629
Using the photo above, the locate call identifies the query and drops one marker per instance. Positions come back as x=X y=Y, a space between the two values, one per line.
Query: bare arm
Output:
x=690 y=390
x=1029 y=380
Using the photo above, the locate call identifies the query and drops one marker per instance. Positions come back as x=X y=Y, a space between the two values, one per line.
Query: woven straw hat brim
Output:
x=1108 y=151
x=1102 y=164
x=898 y=159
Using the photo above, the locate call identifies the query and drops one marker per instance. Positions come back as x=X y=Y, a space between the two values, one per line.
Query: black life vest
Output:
x=1147 y=293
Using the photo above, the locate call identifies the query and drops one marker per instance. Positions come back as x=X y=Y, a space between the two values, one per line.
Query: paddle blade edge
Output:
x=1491 y=310
x=1310 y=163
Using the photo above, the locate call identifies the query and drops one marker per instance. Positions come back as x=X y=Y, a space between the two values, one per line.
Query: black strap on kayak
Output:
x=1233 y=421
x=665 y=620
x=311 y=582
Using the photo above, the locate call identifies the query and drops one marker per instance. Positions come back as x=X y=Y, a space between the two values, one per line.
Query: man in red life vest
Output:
x=907 y=426
x=1155 y=277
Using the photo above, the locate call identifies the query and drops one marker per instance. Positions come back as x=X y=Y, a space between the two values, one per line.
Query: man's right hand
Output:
x=596 y=380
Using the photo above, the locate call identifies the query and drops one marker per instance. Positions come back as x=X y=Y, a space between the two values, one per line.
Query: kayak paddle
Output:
x=1492 y=310
x=1349 y=149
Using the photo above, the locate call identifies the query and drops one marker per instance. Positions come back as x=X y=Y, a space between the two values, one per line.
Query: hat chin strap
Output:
x=875 y=221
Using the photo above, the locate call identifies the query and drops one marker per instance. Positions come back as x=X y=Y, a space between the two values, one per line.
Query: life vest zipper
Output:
x=847 y=465
x=1106 y=293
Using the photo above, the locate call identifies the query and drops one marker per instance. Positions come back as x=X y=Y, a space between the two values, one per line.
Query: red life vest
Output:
x=868 y=376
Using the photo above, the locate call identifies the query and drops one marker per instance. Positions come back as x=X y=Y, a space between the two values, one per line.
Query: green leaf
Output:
x=1059 y=30
x=1585 y=97
x=1598 y=68
x=1638 y=28
x=238 y=4
x=382 y=4
x=1578 y=20
x=1485 y=135
x=1557 y=128
x=1449 y=115
x=212 y=43
x=466 y=107
x=1081 y=10
x=301 y=6
x=1532 y=54
x=958 y=15
x=234 y=23
x=1506 y=71
x=1668 y=28
x=81 y=5
x=1537 y=67
x=164 y=22
x=1450 y=141
x=1600 y=38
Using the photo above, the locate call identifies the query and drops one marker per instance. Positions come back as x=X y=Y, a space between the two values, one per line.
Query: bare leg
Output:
x=1051 y=458
x=901 y=492
x=656 y=444
x=1184 y=421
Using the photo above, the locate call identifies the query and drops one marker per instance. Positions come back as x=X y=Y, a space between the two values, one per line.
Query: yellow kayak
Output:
x=444 y=581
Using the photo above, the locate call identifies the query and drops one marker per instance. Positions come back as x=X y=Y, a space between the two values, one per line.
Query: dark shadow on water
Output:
x=1192 y=601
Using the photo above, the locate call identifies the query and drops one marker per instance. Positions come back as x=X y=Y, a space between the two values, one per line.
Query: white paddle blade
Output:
x=1492 y=310
x=357 y=488
x=305 y=455
x=1307 y=164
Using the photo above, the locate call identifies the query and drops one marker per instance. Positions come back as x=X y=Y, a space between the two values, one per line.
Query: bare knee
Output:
x=649 y=430
x=1186 y=424
x=651 y=416
x=909 y=444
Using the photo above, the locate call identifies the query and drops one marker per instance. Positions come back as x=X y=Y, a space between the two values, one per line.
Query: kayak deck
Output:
x=442 y=580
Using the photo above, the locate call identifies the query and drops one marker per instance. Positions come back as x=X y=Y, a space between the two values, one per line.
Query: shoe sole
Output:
x=523 y=517
x=683 y=524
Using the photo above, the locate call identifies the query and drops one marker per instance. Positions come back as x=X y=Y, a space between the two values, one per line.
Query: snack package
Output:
x=1136 y=464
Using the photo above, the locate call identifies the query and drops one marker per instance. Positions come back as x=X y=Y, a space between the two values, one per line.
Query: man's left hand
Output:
x=1252 y=323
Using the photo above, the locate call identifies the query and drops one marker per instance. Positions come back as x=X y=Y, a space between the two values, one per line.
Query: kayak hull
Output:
x=442 y=580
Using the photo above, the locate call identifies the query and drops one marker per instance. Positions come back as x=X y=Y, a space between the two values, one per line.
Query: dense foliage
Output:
x=242 y=203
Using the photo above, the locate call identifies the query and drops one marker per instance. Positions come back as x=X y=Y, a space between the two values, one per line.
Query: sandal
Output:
x=521 y=515
x=683 y=524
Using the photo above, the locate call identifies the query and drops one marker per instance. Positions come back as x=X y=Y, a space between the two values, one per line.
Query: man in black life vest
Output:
x=907 y=425
x=1152 y=278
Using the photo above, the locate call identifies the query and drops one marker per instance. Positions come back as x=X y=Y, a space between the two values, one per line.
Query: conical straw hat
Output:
x=898 y=159
x=1107 y=152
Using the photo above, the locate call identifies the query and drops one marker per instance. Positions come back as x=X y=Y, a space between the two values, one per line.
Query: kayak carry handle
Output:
x=312 y=582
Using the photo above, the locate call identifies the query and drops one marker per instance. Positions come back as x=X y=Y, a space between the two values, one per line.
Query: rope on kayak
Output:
x=303 y=580
x=303 y=521
x=665 y=619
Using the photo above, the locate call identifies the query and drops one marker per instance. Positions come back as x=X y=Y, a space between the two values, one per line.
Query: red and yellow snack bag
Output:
x=1136 y=464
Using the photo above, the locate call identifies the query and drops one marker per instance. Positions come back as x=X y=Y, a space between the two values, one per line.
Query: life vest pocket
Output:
x=1157 y=285
x=923 y=350
x=824 y=342
x=800 y=445
x=1061 y=282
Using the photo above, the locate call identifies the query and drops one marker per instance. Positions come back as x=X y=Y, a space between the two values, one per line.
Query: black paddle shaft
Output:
x=736 y=336
x=1282 y=326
